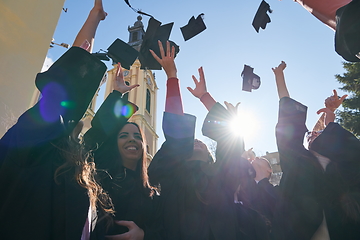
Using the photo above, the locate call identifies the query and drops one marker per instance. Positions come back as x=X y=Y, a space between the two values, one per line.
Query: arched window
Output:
x=148 y=100
x=126 y=95
x=134 y=36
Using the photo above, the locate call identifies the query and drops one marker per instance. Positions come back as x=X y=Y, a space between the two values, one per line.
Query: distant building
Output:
x=24 y=42
x=275 y=164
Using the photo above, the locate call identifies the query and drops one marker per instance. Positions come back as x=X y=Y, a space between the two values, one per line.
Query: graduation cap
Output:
x=250 y=79
x=347 y=35
x=261 y=17
x=119 y=51
x=194 y=27
x=154 y=32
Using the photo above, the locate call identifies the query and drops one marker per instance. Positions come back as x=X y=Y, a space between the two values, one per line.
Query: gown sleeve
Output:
x=179 y=133
x=66 y=91
x=290 y=131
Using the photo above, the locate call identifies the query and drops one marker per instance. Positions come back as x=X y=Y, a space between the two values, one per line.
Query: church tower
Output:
x=143 y=96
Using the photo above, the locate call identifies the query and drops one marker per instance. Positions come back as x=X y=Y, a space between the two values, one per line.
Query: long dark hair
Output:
x=79 y=162
x=142 y=166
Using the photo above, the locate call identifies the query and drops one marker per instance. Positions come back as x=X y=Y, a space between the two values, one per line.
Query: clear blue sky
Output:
x=229 y=42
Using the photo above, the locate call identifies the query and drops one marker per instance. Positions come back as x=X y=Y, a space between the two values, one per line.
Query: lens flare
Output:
x=67 y=104
x=127 y=110
x=118 y=108
x=244 y=124
x=123 y=110
x=52 y=102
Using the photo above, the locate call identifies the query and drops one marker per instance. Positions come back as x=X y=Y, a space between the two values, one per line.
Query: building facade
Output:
x=275 y=165
x=24 y=42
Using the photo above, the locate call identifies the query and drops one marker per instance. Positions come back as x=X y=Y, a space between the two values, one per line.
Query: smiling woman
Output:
x=121 y=160
x=130 y=145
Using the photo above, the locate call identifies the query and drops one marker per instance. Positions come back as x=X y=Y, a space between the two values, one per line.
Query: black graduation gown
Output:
x=265 y=199
x=307 y=190
x=32 y=205
x=131 y=201
x=300 y=212
x=342 y=180
x=233 y=171
x=197 y=197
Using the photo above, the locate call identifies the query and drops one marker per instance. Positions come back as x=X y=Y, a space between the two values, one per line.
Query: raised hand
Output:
x=98 y=10
x=333 y=102
x=280 y=80
x=200 y=86
x=329 y=115
x=134 y=233
x=279 y=68
x=119 y=83
x=166 y=60
x=231 y=108
x=249 y=155
x=86 y=35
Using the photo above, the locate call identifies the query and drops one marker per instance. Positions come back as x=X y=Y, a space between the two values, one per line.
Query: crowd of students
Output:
x=55 y=186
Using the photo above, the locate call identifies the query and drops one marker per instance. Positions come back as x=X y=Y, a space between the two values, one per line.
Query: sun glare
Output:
x=245 y=124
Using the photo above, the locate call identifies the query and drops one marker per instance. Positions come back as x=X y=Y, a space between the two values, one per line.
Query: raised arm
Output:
x=111 y=116
x=280 y=80
x=86 y=35
x=119 y=83
x=331 y=104
x=334 y=101
x=67 y=88
x=173 y=102
x=178 y=128
x=200 y=90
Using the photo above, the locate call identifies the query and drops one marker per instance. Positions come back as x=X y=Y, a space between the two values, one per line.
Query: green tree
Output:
x=349 y=118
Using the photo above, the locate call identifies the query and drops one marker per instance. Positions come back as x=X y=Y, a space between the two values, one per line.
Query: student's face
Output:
x=261 y=166
x=199 y=145
x=201 y=151
x=130 y=143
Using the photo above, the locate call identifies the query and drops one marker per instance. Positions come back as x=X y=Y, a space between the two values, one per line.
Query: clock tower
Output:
x=143 y=96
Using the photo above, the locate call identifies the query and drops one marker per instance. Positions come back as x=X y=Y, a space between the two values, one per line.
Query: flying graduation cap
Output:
x=261 y=17
x=250 y=79
x=194 y=27
x=154 y=32
x=119 y=51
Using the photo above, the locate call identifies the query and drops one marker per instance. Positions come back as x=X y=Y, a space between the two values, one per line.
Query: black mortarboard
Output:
x=155 y=32
x=119 y=51
x=250 y=79
x=347 y=35
x=193 y=28
x=261 y=18
x=70 y=83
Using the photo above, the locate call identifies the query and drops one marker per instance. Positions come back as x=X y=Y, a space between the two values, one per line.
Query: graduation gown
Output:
x=196 y=196
x=308 y=191
x=132 y=202
x=32 y=204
